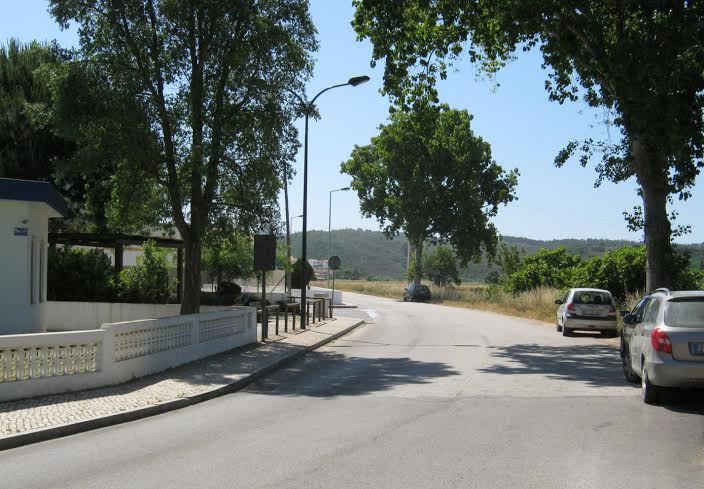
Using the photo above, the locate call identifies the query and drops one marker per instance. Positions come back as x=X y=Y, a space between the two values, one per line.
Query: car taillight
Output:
x=612 y=311
x=660 y=341
x=570 y=307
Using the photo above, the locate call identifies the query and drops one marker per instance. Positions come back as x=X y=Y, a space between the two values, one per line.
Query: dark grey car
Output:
x=416 y=292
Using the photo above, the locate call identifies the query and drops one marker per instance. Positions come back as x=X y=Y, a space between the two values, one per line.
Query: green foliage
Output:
x=299 y=278
x=621 y=271
x=546 y=268
x=218 y=83
x=76 y=274
x=428 y=174
x=148 y=280
x=643 y=62
x=227 y=256
x=440 y=266
x=508 y=258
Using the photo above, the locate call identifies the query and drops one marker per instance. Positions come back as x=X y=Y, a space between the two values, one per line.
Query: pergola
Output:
x=117 y=242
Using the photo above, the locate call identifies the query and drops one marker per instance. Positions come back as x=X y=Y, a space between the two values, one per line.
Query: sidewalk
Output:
x=42 y=418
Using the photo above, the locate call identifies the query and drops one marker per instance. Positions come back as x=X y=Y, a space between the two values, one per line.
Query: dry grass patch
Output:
x=536 y=304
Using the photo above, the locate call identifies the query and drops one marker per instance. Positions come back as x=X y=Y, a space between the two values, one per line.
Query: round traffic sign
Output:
x=334 y=262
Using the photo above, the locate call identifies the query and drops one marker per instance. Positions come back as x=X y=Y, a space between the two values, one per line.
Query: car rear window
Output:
x=424 y=288
x=589 y=297
x=685 y=312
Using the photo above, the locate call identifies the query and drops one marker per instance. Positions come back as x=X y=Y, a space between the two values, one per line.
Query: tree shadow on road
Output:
x=330 y=374
x=596 y=365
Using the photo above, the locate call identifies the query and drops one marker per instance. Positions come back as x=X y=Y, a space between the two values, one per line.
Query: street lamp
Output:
x=353 y=82
x=343 y=189
x=288 y=274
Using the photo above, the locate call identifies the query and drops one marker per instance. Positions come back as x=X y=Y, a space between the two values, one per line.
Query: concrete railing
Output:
x=50 y=363
x=73 y=316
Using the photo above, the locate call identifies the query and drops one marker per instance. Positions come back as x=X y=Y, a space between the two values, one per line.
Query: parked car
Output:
x=662 y=342
x=416 y=292
x=587 y=310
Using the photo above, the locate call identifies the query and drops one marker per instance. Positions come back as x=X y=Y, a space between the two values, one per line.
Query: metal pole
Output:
x=265 y=319
x=332 y=297
x=304 y=242
x=327 y=271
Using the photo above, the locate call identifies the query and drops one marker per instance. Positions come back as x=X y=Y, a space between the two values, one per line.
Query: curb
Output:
x=44 y=434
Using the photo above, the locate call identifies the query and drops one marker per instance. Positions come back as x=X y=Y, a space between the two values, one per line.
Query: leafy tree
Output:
x=147 y=281
x=76 y=274
x=441 y=267
x=216 y=79
x=299 y=278
x=227 y=256
x=28 y=142
x=508 y=258
x=621 y=271
x=546 y=268
x=428 y=174
x=643 y=62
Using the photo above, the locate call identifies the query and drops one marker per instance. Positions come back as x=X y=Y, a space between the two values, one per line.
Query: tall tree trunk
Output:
x=418 y=269
x=191 y=277
x=657 y=229
x=288 y=232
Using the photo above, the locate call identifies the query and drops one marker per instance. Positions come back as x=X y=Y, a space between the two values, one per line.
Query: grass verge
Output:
x=536 y=304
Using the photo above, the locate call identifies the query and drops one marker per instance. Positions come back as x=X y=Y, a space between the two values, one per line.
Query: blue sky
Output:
x=525 y=130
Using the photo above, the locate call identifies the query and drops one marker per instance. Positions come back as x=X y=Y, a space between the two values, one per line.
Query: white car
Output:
x=587 y=310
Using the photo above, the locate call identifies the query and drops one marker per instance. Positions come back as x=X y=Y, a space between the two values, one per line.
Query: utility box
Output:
x=25 y=209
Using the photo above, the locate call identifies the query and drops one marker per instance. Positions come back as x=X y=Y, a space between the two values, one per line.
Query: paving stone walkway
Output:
x=181 y=382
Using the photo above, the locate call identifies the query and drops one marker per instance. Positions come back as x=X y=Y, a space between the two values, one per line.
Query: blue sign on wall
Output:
x=21 y=231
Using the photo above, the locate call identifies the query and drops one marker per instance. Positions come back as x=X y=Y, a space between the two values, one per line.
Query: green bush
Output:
x=546 y=268
x=76 y=274
x=621 y=271
x=148 y=281
x=440 y=266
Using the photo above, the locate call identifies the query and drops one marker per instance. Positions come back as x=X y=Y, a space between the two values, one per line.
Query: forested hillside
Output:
x=369 y=254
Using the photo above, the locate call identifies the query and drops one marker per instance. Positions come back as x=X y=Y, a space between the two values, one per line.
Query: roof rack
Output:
x=664 y=290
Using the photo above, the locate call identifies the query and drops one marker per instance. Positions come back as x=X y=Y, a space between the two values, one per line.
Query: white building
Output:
x=25 y=209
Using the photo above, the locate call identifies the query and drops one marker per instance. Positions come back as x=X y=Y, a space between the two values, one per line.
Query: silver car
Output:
x=587 y=310
x=662 y=343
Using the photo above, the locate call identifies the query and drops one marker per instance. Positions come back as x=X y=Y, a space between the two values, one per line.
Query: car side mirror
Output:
x=624 y=314
x=558 y=301
x=629 y=319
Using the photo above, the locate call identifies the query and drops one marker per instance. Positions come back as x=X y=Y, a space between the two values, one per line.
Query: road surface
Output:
x=424 y=396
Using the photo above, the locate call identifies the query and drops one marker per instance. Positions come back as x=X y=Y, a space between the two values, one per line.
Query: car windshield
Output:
x=592 y=297
x=685 y=312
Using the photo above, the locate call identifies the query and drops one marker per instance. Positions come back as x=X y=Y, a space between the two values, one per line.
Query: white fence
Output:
x=51 y=363
x=74 y=316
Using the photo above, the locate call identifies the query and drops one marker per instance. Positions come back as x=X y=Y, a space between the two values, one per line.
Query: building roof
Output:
x=33 y=191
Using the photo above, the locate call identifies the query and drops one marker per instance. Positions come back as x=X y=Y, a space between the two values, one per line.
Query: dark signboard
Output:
x=264 y=252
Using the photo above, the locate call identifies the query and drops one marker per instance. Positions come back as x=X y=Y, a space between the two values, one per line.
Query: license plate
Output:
x=696 y=349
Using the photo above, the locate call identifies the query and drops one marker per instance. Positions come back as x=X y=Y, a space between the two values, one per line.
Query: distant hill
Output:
x=375 y=256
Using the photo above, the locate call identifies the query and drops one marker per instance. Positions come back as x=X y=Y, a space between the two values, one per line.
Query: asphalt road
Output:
x=423 y=397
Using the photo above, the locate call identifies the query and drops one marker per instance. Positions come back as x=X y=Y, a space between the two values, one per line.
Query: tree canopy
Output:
x=429 y=175
x=641 y=61
x=217 y=80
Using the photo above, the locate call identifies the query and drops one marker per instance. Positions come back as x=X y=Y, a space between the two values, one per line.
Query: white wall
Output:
x=73 y=316
x=318 y=290
x=17 y=312
x=51 y=363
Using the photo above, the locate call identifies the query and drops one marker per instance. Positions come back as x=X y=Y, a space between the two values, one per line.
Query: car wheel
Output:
x=651 y=392
x=628 y=372
x=558 y=327
x=566 y=331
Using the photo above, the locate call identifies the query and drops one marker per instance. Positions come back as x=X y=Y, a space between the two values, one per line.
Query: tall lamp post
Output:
x=343 y=189
x=353 y=82
x=288 y=249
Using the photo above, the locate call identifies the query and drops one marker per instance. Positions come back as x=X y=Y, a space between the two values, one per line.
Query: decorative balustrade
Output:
x=220 y=327
x=148 y=340
x=26 y=362
x=50 y=363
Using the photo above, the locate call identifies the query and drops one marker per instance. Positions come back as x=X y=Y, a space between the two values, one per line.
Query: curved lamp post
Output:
x=353 y=82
